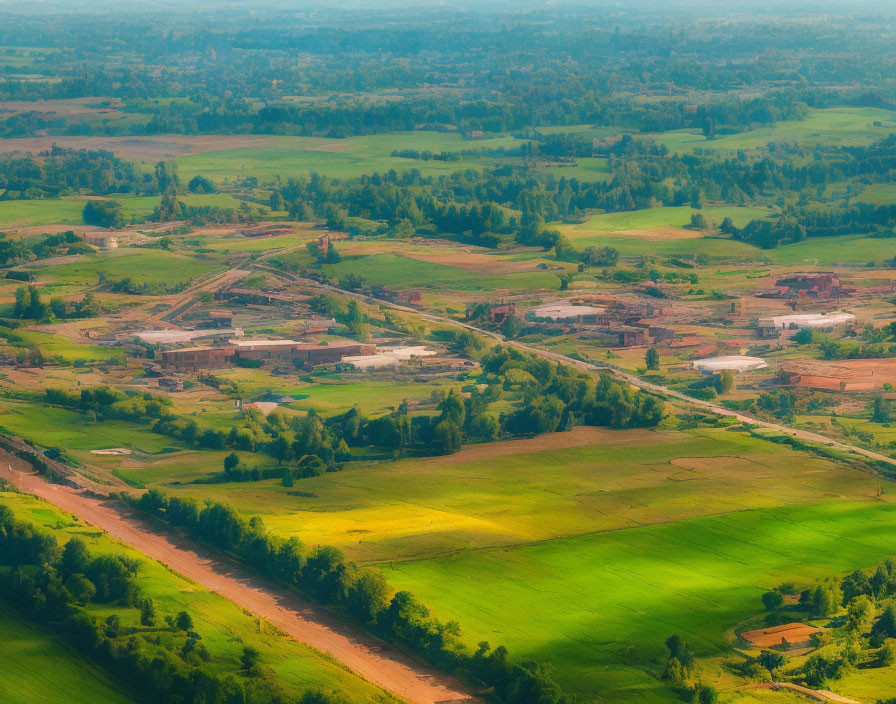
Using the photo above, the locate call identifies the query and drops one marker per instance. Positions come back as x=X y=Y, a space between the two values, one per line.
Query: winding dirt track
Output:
x=303 y=621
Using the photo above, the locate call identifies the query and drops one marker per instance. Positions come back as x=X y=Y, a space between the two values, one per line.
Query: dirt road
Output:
x=301 y=620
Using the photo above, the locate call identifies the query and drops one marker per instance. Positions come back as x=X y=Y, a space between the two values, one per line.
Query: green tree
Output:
x=249 y=660
x=880 y=413
x=652 y=359
x=184 y=621
x=81 y=588
x=886 y=624
x=147 y=612
x=368 y=596
x=75 y=557
x=772 y=600
x=21 y=304
x=231 y=463
x=446 y=437
x=859 y=615
x=771 y=661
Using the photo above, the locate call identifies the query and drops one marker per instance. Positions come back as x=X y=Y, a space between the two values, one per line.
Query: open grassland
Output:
x=402 y=272
x=878 y=194
x=225 y=629
x=835 y=126
x=154 y=458
x=56 y=346
x=607 y=544
x=554 y=486
x=337 y=158
x=38 y=666
x=584 y=168
x=149 y=266
x=25 y=213
x=600 y=606
x=669 y=216
x=138 y=208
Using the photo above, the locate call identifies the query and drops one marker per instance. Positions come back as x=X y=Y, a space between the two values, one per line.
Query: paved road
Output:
x=308 y=623
x=632 y=379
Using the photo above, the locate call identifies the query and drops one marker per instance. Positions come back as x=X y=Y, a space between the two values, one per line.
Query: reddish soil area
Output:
x=793 y=633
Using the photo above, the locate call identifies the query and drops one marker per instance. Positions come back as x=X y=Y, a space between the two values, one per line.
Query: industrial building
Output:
x=195 y=359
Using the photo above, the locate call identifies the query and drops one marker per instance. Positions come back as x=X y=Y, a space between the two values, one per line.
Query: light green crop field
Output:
x=339 y=158
x=402 y=272
x=150 y=266
x=224 y=627
x=138 y=208
x=155 y=458
x=39 y=666
x=584 y=169
x=608 y=545
x=25 y=213
x=652 y=218
x=555 y=486
x=600 y=606
x=878 y=194
x=835 y=126
x=846 y=249
x=53 y=346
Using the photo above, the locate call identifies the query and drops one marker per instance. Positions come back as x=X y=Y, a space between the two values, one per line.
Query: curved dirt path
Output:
x=373 y=660
x=820 y=695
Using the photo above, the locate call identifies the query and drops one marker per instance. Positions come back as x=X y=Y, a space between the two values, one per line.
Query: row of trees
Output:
x=323 y=573
x=55 y=586
x=548 y=398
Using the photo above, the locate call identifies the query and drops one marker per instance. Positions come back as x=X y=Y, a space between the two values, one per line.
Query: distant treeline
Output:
x=492 y=70
x=62 y=172
x=324 y=574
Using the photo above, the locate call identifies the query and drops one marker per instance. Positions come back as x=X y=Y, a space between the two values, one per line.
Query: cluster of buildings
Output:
x=824 y=284
x=616 y=323
x=772 y=327
x=300 y=354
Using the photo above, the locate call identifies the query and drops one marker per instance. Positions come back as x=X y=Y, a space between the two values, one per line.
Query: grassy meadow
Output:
x=600 y=606
x=684 y=530
x=839 y=126
x=339 y=158
x=39 y=666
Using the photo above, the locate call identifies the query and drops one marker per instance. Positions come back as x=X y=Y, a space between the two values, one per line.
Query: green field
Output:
x=224 y=627
x=402 y=272
x=600 y=606
x=25 y=213
x=607 y=546
x=149 y=266
x=584 y=169
x=342 y=158
x=830 y=126
x=669 y=216
x=40 y=667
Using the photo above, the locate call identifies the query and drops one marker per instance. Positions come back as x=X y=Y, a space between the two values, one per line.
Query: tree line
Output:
x=324 y=574
x=547 y=398
x=57 y=586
